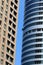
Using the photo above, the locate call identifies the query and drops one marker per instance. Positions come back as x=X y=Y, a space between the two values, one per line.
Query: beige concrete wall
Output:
x=4 y=31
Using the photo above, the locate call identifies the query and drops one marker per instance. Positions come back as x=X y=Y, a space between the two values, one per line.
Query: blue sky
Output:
x=19 y=33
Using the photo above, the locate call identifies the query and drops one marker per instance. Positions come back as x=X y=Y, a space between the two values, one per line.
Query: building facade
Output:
x=8 y=27
x=32 y=47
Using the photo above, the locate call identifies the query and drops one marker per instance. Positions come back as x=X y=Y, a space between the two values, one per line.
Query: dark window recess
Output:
x=11 y=59
x=38 y=45
x=9 y=35
x=2 y=2
x=10 y=22
x=14 y=26
x=5 y=19
x=8 y=49
x=38 y=40
x=8 y=42
x=7 y=1
x=12 y=53
x=15 y=7
x=42 y=29
x=15 y=13
x=40 y=34
x=11 y=16
x=37 y=56
x=12 y=45
x=29 y=31
x=0 y=22
x=11 y=3
x=37 y=62
x=14 y=19
x=13 y=39
x=9 y=29
x=16 y=1
x=13 y=32
x=38 y=29
x=7 y=57
x=7 y=63
x=35 y=23
x=3 y=40
x=11 y=9
x=38 y=50
x=33 y=30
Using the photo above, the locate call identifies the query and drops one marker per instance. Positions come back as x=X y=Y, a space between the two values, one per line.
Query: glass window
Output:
x=15 y=7
x=9 y=36
x=37 y=56
x=11 y=9
x=8 y=42
x=4 y=26
x=0 y=15
x=0 y=22
x=5 y=19
x=3 y=40
x=13 y=32
x=11 y=52
x=10 y=22
x=11 y=3
x=13 y=39
x=7 y=57
x=7 y=1
x=2 y=54
x=8 y=50
x=1 y=61
x=38 y=50
x=7 y=7
x=12 y=45
x=4 y=32
x=2 y=47
x=11 y=59
x=14 y=19
x=16 y=1
x=37 y=62
x=0 y=29
x=1 y=9
x=6 y=13
x=2 y=2
x=9 y=29
x=8 y=63
x=15 y=13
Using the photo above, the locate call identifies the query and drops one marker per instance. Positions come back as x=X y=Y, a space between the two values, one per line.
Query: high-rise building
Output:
x=32 y=47
x=8 y=27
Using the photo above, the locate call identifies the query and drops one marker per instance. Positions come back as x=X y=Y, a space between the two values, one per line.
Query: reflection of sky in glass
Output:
x=19 y=33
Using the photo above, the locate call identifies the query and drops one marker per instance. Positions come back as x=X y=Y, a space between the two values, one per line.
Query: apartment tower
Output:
x=32 y=47
x=8 y=30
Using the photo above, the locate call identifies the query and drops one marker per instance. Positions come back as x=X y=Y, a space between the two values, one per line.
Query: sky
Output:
x=19 y=33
